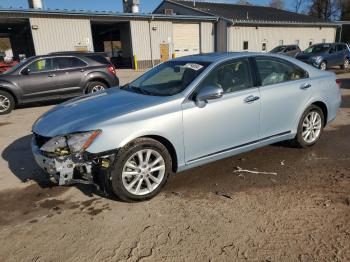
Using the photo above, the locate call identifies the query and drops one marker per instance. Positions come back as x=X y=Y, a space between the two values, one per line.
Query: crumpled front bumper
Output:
x=62 y=169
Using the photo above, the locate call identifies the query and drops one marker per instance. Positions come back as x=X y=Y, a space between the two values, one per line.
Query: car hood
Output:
x=307 y=56
x=88 y=112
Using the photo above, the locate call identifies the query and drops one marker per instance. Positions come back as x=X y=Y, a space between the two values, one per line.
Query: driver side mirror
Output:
x=25 y=71
x=206 y=93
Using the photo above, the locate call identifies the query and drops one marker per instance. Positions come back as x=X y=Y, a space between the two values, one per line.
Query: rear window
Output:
x=99 y=59
x=68 y=62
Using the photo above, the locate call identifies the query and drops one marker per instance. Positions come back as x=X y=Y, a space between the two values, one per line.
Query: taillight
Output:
x=338 y=81
x=111 y=69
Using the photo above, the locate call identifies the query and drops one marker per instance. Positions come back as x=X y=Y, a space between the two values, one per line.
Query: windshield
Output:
x=278 y=49
x=317 y=49
x=167 y=79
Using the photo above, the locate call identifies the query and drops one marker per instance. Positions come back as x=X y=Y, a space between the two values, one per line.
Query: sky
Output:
x=108 y=5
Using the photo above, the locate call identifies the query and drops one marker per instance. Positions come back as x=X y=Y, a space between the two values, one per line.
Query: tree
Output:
x=325 y=9
x=298 y=5
x=279 y=4
x=345 y=10
x=243 y=2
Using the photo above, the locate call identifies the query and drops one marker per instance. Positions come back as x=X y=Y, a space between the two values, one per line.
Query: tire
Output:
x=95 y=86
x=346 y=63
x=300 y=140
x=323 y=66
x=7 y=102
x=129 y=154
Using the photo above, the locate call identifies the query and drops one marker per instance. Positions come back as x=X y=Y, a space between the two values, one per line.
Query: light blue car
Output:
x=181 y=114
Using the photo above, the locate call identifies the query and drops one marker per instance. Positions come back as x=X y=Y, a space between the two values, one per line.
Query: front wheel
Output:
x=140 y=170
x=310 y=127
x=7 y=103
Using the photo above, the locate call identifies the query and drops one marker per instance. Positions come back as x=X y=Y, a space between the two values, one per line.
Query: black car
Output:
x=288 y=50
x=55 y=76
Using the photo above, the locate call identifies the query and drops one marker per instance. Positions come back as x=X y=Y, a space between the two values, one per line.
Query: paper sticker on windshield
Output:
x=193 y=66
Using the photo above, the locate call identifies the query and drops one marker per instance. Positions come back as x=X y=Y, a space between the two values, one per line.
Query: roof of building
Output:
x=99 y=14
x=235 y=12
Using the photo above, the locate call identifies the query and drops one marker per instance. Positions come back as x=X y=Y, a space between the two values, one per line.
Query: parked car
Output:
x=288 y=50
x=58 y=76
x=181 y=114
x=323 y=56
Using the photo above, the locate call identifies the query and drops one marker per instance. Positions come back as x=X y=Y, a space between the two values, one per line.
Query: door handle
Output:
x=250 y=99
x=52 y=75
x=305 y=86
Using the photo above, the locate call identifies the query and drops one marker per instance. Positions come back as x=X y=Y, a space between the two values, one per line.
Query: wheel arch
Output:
x=2 y=88
x=169 y=146
x=96 y=79
x=324 y=109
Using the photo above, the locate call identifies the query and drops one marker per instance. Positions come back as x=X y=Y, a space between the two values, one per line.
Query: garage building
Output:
x=254 y=28
x=126 y=37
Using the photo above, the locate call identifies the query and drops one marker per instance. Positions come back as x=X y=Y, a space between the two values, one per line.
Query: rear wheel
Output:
x=323 y=66
x=310 y=127
x=140 y=170
x=7 y=103
x=345 y=64
x=96 y=86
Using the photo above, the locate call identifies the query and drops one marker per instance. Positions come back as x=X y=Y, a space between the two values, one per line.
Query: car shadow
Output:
x=21 y=162
x=345 y=83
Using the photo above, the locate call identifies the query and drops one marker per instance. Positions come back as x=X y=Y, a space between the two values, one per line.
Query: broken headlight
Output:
x=73 y=143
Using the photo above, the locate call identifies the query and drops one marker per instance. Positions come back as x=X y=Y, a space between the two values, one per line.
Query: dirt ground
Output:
x=298 y=211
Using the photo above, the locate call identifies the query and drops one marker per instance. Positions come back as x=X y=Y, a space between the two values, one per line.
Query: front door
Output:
x=227 y=123
x=38 y=80
x=285 y=90
x=164 y=52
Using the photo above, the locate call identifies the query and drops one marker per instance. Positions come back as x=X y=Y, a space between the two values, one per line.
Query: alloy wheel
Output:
x=323 y=66
x=97 y=88
x=5 y=103
x=312 y=126
x=143 y=172
x=346 y=63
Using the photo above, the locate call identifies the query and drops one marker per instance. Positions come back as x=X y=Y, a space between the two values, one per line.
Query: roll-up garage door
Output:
x=186 y=39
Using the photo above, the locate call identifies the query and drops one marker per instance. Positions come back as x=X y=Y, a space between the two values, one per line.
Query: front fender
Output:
x=12 y=89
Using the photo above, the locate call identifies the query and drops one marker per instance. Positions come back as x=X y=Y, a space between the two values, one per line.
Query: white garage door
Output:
x=186 y=39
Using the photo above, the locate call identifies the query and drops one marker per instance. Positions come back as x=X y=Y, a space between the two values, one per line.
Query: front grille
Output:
x=41 y=140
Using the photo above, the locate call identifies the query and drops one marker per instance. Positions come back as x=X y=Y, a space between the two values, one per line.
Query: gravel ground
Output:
x=298 y=211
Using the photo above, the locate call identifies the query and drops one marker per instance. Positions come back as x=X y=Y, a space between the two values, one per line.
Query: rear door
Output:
x=70 y=73
x=333 y=56
x=40 y=80
x=285 y=89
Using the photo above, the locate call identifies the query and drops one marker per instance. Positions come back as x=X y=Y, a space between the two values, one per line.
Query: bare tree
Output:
x=298 y=5
x=325 y=9
x=279 y=4
x=345 y=10
x=243 y=2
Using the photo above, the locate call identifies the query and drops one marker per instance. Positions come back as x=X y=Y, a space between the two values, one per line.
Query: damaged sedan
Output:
x=181 y=114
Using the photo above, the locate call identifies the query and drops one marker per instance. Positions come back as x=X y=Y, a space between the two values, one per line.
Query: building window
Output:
x=245 y=45
x=297 y=42
x=168 y=11
x=281 y=42
x=263 y=47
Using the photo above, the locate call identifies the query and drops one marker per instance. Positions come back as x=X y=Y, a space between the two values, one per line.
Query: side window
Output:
x=232 y=77
x=245 y=45
x=273 y=71
x=68 y=62
x=332 y=50
x=41 y=65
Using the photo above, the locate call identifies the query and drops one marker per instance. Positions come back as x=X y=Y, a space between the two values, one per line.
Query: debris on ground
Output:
x=241 y=170
x=282 y=163
x=223 y=194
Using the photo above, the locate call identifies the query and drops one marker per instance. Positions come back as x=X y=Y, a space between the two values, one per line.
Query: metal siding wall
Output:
x=163 y=35
x=140 y=40
x=207 y=37
x=60 y=34
x=273 y=35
